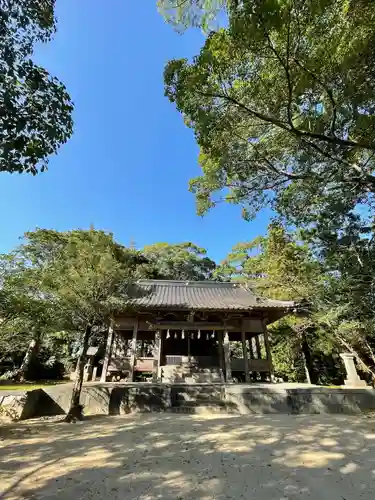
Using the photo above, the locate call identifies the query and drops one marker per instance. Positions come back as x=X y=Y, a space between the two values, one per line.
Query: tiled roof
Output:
x=200 y=295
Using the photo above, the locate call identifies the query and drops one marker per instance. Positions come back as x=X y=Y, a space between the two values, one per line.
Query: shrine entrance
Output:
x=189 y=328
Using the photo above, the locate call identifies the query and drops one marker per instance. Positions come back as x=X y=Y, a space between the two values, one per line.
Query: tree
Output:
x=280 y=266
x=197 y=13
x=25 y=313
x=180 y=261
x=282 y=105
x=35 y=108
x=85 y=276
x=348 y=254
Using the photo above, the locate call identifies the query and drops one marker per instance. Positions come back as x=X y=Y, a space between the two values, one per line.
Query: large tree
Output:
x=179 y=261
x=338 y=287
x=35 y=108
x=85 y=276
x=282 y=105
x=28 y=317
x=280 y=266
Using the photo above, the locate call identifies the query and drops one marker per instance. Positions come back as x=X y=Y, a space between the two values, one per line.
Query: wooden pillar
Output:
x=245 y=354
x=220 y=352
x=258 y=349
x=107 y=355
x=252 y=356
x=188 y=344
x=251 y=350
x=228 y=367
x=157 y=355
x=268 y=349
x=133 y=348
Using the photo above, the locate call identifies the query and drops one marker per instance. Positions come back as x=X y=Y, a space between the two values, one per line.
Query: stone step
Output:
x=196 y=392
x=195 y=407
x=202 y=379
x=193 y=375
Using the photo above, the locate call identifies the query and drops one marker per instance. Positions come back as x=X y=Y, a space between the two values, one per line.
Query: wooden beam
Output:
x=228 y=368
x=251 y=350
x=107 y=355
x=258 y=349
x=133 y=348
x=181 y=325
x=188 y=344
x=157 y=355
x=268 y=349
x=245 y=354
x=221 y=358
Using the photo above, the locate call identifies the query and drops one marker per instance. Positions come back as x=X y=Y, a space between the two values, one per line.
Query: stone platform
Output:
x=119 y=398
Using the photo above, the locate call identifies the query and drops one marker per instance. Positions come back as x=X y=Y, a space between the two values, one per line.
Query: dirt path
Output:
x=147 y=457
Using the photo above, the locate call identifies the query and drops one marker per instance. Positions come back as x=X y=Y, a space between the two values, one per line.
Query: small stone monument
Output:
x=352 y=377
x=89 y=367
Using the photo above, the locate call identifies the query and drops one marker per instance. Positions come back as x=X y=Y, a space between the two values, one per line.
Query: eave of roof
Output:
x=201 y=295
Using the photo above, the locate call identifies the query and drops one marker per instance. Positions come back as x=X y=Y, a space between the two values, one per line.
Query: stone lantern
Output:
x=352 y=377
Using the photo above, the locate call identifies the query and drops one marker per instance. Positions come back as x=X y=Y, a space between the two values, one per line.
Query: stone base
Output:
x=355 y=383
x=117 y=398
x=28 y=404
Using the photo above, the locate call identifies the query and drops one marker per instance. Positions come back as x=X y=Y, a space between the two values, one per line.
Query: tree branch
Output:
x=287 y=73
x=327 y=90
x=281 y=124
x=277 y=171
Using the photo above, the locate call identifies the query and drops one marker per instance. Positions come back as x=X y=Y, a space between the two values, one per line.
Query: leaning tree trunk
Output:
x=307 y=360
x=30 y=355
x=75 y=410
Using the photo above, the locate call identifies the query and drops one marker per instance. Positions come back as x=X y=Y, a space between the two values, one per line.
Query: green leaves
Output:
x=180 y=261
x=86 y=273
x=35 y=108
x=196 y=13
x=282 y=105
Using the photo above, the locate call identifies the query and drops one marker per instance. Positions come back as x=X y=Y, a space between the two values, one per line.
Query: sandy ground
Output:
x=164 y=456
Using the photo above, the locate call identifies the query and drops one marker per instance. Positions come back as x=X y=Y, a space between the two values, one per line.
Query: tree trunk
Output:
x=306 y=357
x=307 y=360
x=75 y=410
x=306 y=368
x=370 y=351
x=31 y=352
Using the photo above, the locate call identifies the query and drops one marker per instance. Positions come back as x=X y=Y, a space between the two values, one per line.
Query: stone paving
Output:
x=164 y=456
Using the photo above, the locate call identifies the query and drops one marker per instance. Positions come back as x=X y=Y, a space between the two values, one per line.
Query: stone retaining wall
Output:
x=114 y=399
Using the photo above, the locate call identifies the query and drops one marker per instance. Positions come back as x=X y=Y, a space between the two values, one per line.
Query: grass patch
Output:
x=29 y=386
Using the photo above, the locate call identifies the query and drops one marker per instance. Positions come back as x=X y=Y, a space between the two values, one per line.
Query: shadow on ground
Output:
x=164 y=456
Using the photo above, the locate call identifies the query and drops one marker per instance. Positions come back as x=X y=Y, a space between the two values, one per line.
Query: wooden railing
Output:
x=259 y=365
x=144 y=364
x=178 y=359
x=123 y=364
x=255 y=365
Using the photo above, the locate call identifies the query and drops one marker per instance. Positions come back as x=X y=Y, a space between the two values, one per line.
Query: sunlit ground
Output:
x=28 y=386
x=166 y=456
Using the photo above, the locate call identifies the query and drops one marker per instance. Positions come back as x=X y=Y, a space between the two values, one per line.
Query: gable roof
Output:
x=201 y=295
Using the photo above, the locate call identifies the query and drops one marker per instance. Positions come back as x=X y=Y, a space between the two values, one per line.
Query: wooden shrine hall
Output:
x=196 y=331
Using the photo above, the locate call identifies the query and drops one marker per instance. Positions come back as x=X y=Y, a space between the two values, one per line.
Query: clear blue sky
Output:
x=127 y=166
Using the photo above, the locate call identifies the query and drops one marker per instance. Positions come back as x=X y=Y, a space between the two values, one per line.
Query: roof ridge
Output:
x=192 y=283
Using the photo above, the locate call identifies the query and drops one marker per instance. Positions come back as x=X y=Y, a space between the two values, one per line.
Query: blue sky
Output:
x=127 y=166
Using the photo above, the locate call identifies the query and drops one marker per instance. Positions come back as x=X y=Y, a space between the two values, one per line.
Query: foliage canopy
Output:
x=35 y=108
x=282 y=105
